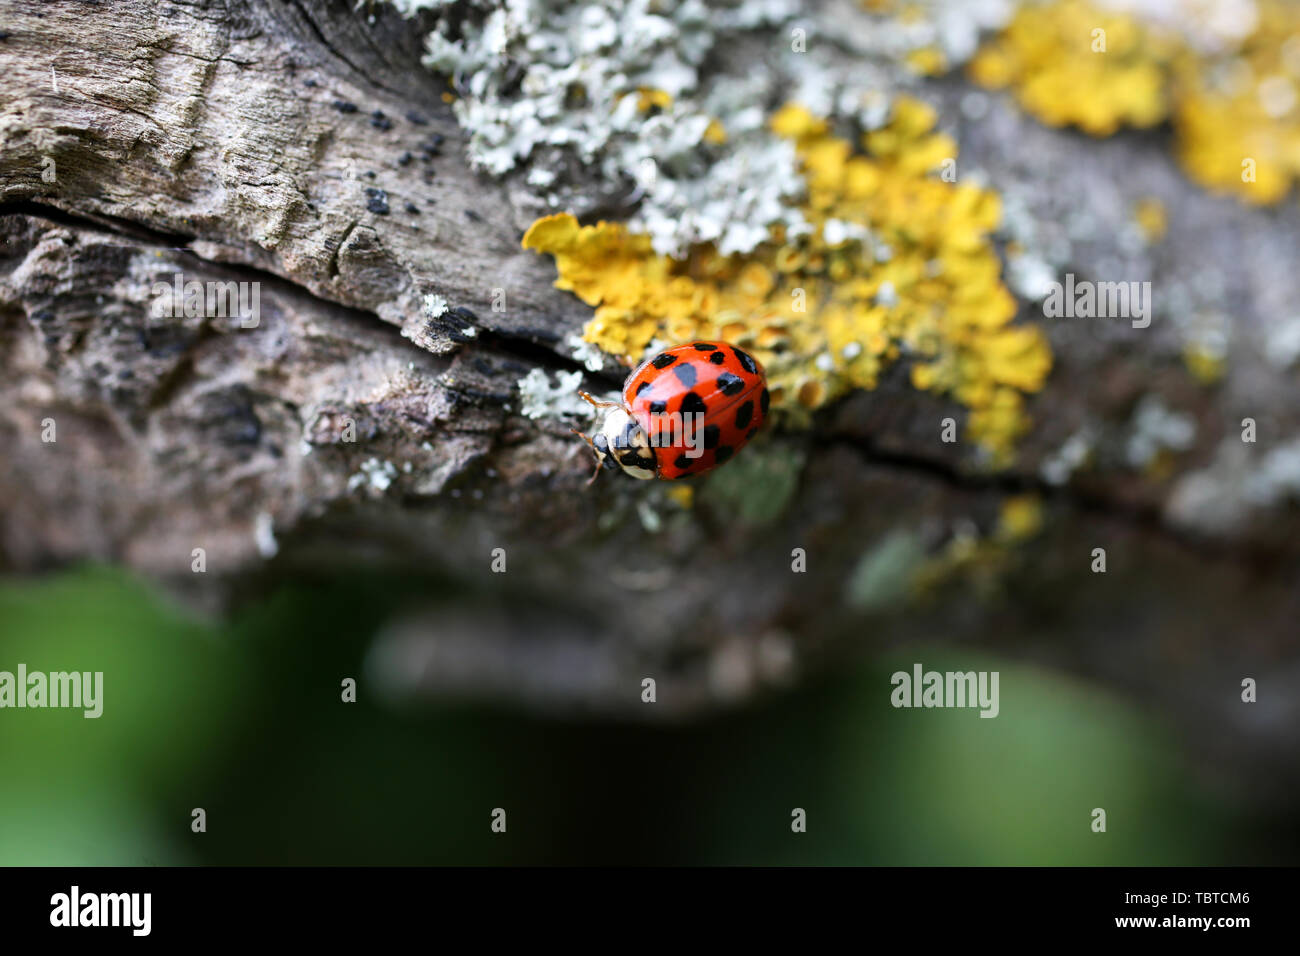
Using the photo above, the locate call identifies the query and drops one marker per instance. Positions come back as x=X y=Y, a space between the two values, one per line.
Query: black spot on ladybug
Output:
x=764 y=400
x=705 y=347
x=663 y=361
x=681 y=461
x=692 y=404
x=632 y=459
x=746 y=361
x=642 y=387
x=658 y=408
x=717 y=358
x=744 y=415
x=730 y=384
x=711 y=435
x=724 y=453
x=686 y=374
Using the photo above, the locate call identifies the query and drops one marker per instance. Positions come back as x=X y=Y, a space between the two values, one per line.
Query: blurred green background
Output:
x=246 y=721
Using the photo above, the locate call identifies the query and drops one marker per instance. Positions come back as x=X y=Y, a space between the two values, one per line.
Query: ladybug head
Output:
x=622 y=443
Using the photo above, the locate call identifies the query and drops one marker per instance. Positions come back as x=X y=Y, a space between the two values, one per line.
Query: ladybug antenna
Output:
x=586 y=397
x=587 y=438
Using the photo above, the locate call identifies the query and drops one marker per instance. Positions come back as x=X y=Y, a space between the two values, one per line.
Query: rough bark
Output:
x=231 y=141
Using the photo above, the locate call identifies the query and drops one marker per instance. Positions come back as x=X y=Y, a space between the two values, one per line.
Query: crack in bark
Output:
x=320 y=36
x=332 y=267
x=521 y=346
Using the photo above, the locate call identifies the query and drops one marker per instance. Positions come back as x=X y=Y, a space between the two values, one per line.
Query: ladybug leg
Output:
x=587 y=438
x=595 y=474
x=597 y=404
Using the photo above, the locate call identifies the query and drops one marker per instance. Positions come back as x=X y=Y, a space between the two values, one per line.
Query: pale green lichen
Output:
x=591 y=357
x=540 y=398
x=884 y=576
x=375 y=477
x=1157 y=429
x=614 y=86
x=1242 y=480
x=755 y=489
x=434 y=305
x=1057 y=467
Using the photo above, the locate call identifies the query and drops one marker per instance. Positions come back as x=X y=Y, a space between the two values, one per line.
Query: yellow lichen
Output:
x=983 y=564
x=1206 y=366
x=1021 y=518
x=898 y=264
x=983 y=561
x=682 y=495
x=1077 y=64
x=927 y=61
x=1151 y=218
x=1238 y=119
x=649 y=98
x=1236 y=112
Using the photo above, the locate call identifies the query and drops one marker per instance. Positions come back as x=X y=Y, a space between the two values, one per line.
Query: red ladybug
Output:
x=684 y=411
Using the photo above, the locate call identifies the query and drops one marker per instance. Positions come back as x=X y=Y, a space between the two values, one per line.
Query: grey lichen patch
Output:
x=1283 y=343
x=592 y=358
x=539 y=397
x=433 y=306
x=1156 y=429
x=617 y=85
x=1057 y=467
x=374 y=478
x=667 y=105
x=1242 y=480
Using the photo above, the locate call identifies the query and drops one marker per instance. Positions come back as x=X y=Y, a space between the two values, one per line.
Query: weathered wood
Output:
x=301 y=146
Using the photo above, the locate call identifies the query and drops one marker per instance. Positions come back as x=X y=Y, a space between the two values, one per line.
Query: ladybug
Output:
x=684 y=412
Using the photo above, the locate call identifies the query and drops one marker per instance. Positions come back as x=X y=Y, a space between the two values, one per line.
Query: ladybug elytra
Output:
x=684 y=412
